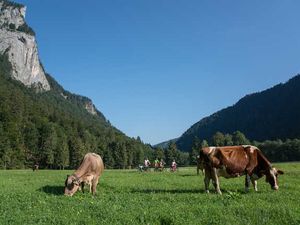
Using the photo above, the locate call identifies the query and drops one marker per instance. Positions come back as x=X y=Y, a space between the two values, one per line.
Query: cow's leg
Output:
x=207 y=180
x=254 y=183
x=215 y=179
x=90 y=185
x=82 y=187
x=247 y=182
x=94 y=185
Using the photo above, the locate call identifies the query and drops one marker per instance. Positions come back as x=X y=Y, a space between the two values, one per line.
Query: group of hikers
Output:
x=158 y=165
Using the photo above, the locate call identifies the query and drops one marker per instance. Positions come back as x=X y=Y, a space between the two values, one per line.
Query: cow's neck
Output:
x=82 y=170
x=263 y=163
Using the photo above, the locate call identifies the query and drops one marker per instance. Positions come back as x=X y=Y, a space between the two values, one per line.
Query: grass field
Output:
x=131 y=197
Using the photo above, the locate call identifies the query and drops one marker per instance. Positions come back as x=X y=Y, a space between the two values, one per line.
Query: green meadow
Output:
x=131 y=197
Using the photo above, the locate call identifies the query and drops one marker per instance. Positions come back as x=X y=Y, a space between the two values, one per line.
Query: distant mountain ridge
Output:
x=267 y=115
x=165 y=144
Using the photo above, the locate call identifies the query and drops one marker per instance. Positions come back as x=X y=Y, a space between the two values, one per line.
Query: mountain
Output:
x=40 y=121
x=165 y=144
x=267 y=115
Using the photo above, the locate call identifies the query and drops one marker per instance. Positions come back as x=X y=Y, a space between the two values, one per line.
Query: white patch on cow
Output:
x=246 y=146
x=254 y=182
x=211 y=149
x=252 y=148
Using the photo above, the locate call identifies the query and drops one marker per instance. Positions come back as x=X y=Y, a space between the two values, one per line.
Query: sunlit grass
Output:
x=131 y=197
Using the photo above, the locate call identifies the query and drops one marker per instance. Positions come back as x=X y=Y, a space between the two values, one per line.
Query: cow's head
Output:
x=71 y=185
x=272 y=177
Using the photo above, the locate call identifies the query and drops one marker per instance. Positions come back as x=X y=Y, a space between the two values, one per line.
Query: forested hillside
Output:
x=268 y=115
x=55 y=129
x=165 y=144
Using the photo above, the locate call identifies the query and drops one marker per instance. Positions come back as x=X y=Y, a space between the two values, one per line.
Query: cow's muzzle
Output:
x=275 y=188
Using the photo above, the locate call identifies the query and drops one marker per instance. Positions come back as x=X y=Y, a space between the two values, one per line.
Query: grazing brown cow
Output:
x=235 y=161
x=88 y=172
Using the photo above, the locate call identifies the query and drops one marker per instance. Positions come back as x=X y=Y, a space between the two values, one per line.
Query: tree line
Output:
x=274 y=150
x=169 y=154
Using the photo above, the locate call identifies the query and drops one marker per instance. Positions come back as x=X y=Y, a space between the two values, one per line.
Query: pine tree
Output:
x=61 y=152
x=76 y=150
x=218 y=139
x=228 y=140
x=171 y=153
x=159 y=153
x=195 y=151
x=239 y=138
x=48 y=144
x=204 y=143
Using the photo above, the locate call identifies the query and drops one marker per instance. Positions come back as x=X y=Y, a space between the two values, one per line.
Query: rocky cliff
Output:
x=89 y=106
x=17 y=41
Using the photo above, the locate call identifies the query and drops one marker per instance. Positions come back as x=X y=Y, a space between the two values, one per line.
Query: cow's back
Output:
x=92 y=163
x=234 y=158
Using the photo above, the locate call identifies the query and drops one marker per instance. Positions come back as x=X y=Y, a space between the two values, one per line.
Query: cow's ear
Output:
x=68 y=176
x=280 y=172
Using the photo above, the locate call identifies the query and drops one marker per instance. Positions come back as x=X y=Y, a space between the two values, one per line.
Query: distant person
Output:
x=162 y=164
x=146 y=164
x=156 y=164
x=173 y=166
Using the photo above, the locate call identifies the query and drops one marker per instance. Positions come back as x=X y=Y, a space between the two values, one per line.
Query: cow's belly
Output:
x=222 y=172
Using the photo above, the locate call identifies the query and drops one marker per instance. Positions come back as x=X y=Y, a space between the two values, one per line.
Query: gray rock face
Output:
x=89 y=106
x=19 y=44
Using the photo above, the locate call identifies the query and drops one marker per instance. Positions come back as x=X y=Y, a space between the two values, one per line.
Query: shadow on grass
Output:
x=188 y=191
x=239 y=191
x=188 y=175
x=52 y=190
x=161 y=191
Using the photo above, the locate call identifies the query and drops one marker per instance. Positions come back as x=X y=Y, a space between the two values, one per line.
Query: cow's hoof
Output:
x=207 y=191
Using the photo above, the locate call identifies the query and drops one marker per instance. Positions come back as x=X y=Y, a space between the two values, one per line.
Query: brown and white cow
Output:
x=88 y=172
x=235 y=161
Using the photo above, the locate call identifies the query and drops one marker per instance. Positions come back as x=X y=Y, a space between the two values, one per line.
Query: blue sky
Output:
x=156 y=67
